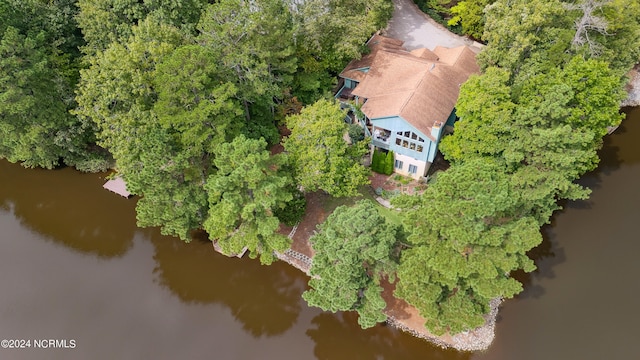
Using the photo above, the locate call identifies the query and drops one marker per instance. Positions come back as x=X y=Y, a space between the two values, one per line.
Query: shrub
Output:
x=388 y=163
x=377 y=161
x=356 y=133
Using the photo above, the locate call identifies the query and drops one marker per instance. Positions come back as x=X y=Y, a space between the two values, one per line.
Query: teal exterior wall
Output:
x=452 y=118
x=397 y=124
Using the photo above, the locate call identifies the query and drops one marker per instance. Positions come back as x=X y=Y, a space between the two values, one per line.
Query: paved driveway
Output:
x=417 y=30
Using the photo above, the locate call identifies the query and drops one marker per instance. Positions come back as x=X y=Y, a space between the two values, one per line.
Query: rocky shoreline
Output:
x=406 y=318
x=633 y=88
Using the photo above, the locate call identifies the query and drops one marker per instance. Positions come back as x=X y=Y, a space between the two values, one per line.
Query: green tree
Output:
x=326 y=39
x=38 y=71
x=376 y=161
x=195 y=103
x=354 y=250
x=255 y=44
x=106 y=21
x=486 y=112
x=547 y=130
x=470 y=15
x=518 y=29
x=388 y=163
x=319 y=154
x=29 y=113
x=470 y=231
x=607 y=30
x=243 y=194
x=162 y=108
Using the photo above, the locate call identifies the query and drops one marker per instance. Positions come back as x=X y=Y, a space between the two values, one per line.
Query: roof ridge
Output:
x=409 y=56
x=415 y=89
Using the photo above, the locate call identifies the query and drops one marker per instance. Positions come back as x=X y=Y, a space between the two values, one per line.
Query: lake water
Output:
x=74 y=266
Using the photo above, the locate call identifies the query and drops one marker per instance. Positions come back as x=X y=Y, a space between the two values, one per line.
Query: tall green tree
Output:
x=243 y=194
x=354 y=249
x=469 y=232
x=321 y=158
x=519 y=29
x=255 y=43
x=106 y=21
x=469 y=14
x=38 y=71
x=546 y=130
x=162 y=107
x=326 y=39
x=29 y=113
x=196 y=103
x=486 y=112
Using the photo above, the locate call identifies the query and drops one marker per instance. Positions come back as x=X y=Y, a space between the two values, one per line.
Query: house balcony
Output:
x=344 y=95
x=381 y=138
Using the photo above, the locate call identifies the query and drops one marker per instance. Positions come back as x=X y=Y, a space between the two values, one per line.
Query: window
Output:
x=413 y=169
x=405 y=143
x=421 y=139
x=407 y=134
x=414 y=136
x=398 y=141
x=399 y=164
x=420 y=148
x=412 y=146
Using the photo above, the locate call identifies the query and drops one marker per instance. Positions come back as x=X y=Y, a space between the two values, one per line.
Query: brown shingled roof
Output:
x=375 y=44
x=421 y=86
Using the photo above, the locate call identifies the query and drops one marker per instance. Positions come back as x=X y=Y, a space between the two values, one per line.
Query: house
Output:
x=407 y=97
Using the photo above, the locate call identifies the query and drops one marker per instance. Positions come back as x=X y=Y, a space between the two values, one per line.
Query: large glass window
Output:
x=403 y=137
x=399 y=164
x=413 y=169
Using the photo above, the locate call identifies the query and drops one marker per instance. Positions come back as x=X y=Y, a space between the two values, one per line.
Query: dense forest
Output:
x=184 y=99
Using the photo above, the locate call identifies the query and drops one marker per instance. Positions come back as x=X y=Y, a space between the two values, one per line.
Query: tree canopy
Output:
x=469 y=232
x=354 y=249
x=243 y=193
x=38 y=72
x=529 y=126
x=321 y=157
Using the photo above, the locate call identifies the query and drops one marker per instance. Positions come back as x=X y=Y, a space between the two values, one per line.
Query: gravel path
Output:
x=417 y=30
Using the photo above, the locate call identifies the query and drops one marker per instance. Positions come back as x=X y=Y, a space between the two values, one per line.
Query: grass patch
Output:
x=330 y=203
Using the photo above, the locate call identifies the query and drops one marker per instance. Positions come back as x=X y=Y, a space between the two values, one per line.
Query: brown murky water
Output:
x=73 y=265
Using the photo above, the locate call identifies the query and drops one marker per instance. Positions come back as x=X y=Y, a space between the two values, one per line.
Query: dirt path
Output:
x=417 y=30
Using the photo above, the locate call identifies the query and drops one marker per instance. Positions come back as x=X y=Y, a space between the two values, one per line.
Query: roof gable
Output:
x=421 y=86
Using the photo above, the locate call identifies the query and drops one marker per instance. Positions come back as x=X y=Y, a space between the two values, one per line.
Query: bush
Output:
x=378 y=161
x=388 y=163
x=356 y=133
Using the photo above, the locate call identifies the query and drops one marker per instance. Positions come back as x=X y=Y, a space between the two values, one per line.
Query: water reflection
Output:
x=338 y=336
x=69 y=208
x=546 y=256
x=266 y=300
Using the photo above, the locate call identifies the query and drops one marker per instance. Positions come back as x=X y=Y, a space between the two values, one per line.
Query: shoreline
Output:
x=399 y=313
